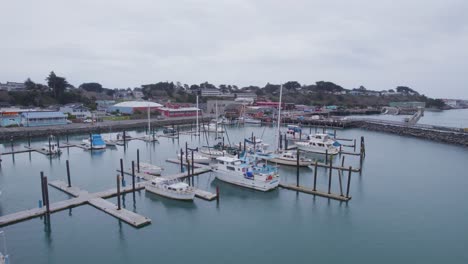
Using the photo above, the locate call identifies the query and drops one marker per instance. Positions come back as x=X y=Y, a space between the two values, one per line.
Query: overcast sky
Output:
x=379 y=44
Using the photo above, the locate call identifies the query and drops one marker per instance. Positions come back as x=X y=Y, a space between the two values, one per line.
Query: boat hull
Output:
x=181 y=196
x=263 y=186
x=333 y=151
x=302 y=163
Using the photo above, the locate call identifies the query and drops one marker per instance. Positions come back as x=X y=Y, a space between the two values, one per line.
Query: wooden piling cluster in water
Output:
x=313 y=190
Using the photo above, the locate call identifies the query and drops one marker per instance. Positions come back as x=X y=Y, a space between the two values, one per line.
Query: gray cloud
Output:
x=379 y=44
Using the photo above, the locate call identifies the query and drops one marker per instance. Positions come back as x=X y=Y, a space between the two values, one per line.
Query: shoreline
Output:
x=100 y=127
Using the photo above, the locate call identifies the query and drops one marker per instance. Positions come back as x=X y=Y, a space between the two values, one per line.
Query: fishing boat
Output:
x=110 y=142
x=256 y=145
x=294 y=131
x=211 y=152
x=213 y=126
x=246 y=174
x=173 y=189
x=197 y=158
x=319 y=143
x=95 y=142
x=169 y=131
x=51 y=149
x=248 y=120
x=150 y=169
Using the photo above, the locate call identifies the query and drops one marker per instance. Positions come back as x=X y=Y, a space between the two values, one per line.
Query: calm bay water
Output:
x=408 y=206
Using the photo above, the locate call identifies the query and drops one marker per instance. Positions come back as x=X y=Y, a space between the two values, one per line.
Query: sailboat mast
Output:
x=149 y=123
x=216 y=113
x=279 y=117
x=197 y=129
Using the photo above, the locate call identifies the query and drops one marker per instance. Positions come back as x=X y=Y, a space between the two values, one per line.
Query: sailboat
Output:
x=171 y=188
x=149 y=137
x=285 y=157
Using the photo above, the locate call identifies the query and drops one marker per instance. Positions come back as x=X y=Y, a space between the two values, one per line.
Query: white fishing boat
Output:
x=52 y=149
x=248 y=120
x=246 y=174
x=213 y=127
x=95 y=142
x=110 y=142
x=319 y=143
x=197 y=158
x=151 y=169
x=173 y=189
x=289 y=158
x=211 y=152
x=256 y=145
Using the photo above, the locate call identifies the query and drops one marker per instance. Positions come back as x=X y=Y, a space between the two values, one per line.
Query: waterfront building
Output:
x=33 y=119
x=10 y=117
x=178 y=110
x=222 y=104
x=129 y=107
x=78 y=110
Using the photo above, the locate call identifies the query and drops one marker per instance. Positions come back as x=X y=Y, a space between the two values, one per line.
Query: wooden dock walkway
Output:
x=82 y=197
x=311 y=191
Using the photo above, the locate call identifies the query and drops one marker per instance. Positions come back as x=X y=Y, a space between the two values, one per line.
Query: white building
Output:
x=211 y=92
x=12 y=86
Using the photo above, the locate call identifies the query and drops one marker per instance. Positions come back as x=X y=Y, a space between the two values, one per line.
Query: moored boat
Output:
x=173 y=189
x=246 y=174
x=151 y=169
x=289 y=158
x=319 y=143
x=95 y=142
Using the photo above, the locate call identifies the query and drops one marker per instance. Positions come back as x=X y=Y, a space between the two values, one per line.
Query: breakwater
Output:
x=443 y=134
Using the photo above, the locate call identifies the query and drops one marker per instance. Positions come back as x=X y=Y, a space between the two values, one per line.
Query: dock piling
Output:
x=297 y=168
x=326 y=156
x=29 y=139
x=280 y=140
x=46 y=195
x=50 y=151
x=349 y=181
x=42 y=188
x=315 y=176
x=68 y=173
x=181 y=160
x=133 y=176
x=217 y=194
x=354 y=145
x=138 y=160
x=341 y=185
x=330 y=178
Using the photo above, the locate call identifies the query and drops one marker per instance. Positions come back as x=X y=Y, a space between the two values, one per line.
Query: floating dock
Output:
x=82 y=197
x=314 y=192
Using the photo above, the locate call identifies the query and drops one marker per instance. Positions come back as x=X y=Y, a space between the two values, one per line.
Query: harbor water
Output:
x=407 y=206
